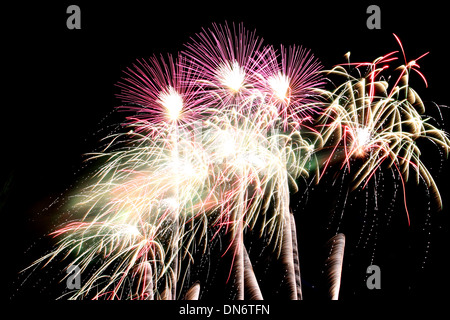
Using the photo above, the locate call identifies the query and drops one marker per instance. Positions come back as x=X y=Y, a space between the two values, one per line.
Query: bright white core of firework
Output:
x=172 y=101
x=362 y=136
x=231 y=75
x=279 y=84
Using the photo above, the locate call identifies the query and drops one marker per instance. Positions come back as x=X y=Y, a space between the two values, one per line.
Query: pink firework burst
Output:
x=161 y=91
x=229 y=62
x=289 y=81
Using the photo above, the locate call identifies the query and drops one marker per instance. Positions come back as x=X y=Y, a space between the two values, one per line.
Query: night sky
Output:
x=60 y=101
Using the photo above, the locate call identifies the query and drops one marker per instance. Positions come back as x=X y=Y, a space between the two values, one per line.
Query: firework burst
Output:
x=161 y=91
x=379 y=124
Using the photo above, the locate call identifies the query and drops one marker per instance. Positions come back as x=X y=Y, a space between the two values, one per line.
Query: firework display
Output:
x=216 y=140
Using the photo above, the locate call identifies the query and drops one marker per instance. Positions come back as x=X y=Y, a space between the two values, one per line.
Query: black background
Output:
x=59 y=94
